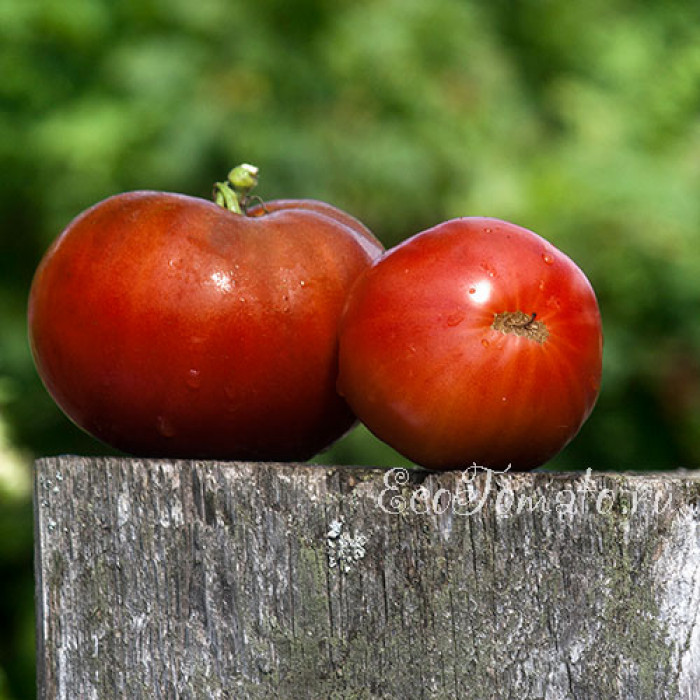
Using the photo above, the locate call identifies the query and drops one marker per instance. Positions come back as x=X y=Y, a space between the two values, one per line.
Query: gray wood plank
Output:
x=179 y=579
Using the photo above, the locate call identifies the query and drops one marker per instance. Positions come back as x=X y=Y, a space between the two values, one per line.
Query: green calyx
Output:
x=234 y=193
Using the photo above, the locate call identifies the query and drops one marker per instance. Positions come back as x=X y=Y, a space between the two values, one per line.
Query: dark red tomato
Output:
x=476 y=341
x=320 y=208
x=167 y=325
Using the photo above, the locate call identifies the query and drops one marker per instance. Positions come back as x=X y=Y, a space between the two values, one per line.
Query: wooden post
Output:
x=180 y=579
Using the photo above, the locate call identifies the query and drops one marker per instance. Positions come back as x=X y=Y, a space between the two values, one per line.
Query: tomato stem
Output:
x=234 y=193
x=531 y=321
x=521 y=324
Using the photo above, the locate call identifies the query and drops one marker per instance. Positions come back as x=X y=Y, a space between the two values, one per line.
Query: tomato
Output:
x=167 y=325
x=474 y=342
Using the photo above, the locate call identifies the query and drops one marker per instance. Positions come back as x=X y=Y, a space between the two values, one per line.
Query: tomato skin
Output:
x=422 y=366
x=323 y=208
x=165 y=325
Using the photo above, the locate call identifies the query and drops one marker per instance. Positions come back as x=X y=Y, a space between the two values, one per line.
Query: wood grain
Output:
x=178 y=579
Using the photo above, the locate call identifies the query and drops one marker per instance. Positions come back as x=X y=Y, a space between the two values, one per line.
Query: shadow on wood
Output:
x=178 y=579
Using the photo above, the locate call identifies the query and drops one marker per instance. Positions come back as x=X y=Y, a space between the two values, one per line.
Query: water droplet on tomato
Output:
x=302 y=283
x=480 y=292
x=548 y=259
x=194 y=380
x=455 y=319
x=540 y=286
x=488 y=269
x=165 y=427
x=485 y=342
x=222 y=281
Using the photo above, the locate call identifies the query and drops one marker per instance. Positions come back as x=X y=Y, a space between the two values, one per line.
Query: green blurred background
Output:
x=578 y=120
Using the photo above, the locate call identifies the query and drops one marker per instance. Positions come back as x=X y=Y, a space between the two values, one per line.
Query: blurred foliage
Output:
x=577 y=120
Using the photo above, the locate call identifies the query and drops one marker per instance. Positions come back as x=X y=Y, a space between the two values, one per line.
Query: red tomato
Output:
x=166 y=325
x=476 y=341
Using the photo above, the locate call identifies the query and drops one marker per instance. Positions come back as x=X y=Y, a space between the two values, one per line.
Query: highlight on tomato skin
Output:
x=168 y=325
x=474 y=342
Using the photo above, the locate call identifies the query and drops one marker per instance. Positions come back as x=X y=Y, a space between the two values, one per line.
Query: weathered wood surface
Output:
x=163 y=579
